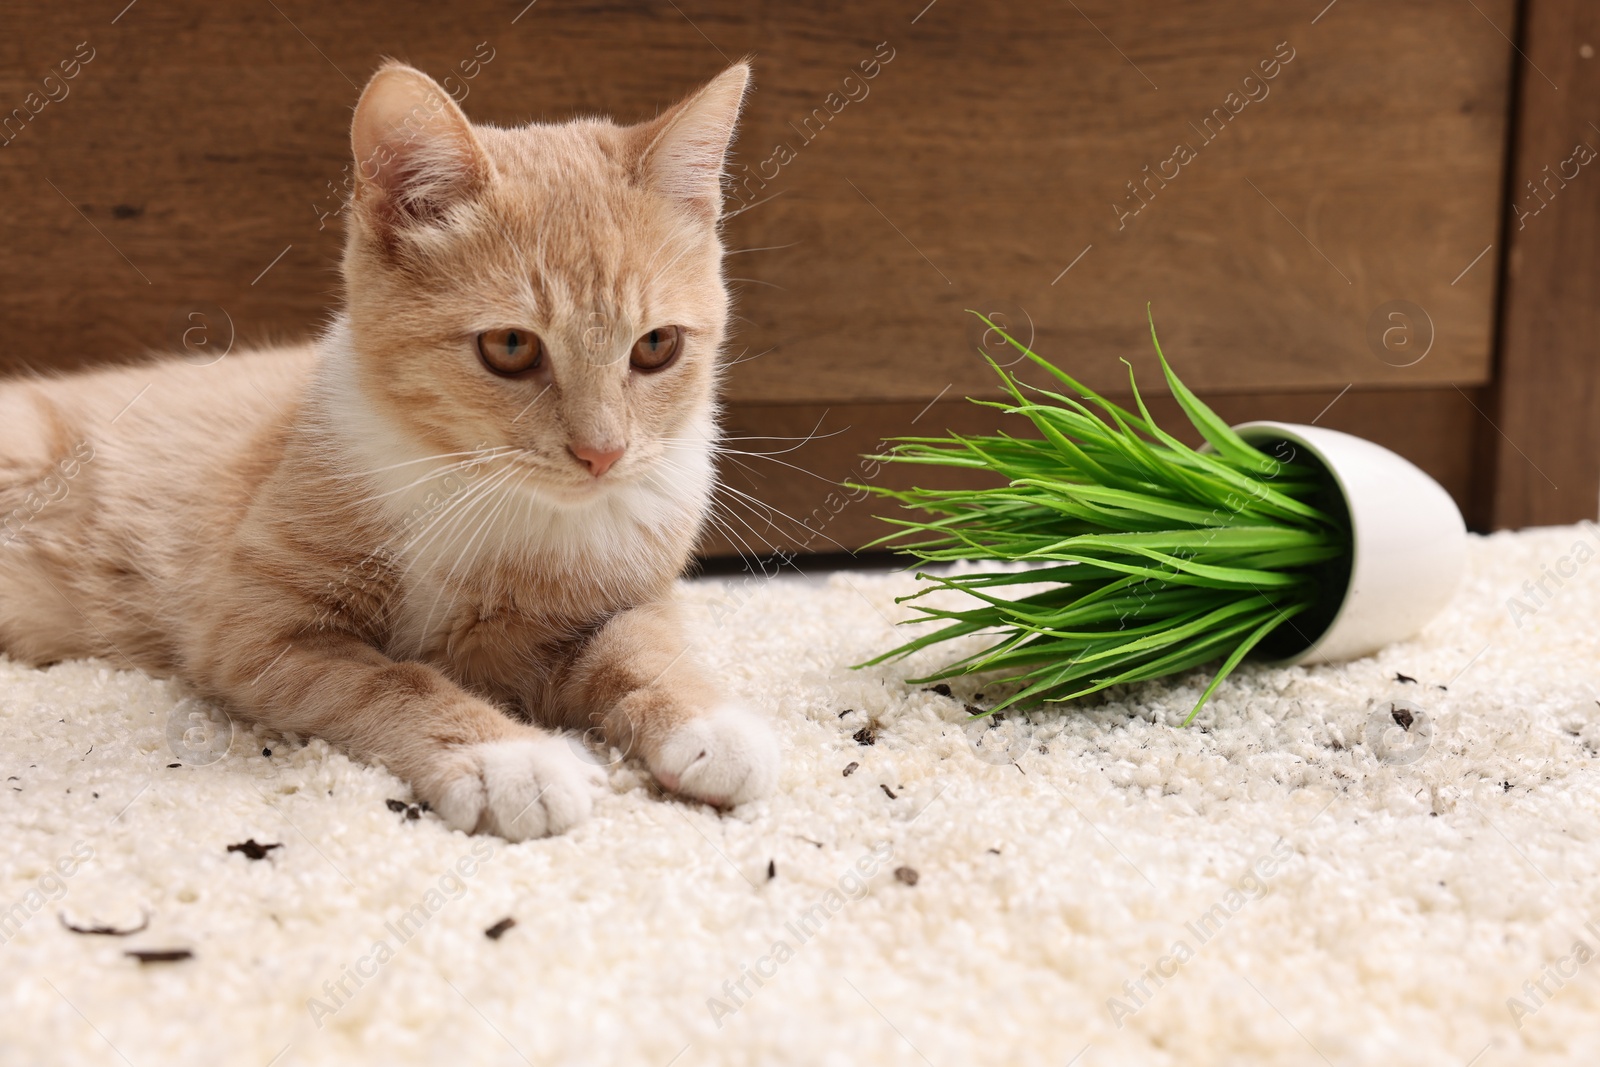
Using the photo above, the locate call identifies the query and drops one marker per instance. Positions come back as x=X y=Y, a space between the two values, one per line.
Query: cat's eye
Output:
x=510 y=352
x=656 y=349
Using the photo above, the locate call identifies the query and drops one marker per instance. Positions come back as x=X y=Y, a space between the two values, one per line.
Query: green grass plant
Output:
x=1155 y=557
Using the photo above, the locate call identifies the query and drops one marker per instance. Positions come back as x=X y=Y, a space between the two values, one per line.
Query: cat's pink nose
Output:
x=598 y=460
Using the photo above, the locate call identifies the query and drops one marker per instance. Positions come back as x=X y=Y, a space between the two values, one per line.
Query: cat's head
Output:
x=554 y=289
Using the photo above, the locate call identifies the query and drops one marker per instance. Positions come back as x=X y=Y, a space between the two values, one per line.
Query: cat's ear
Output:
x=688 y=145
x=415 y=153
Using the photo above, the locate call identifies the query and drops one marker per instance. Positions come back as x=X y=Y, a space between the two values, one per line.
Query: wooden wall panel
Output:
x=203 y=141
x=1545 y=463
x=990 y=153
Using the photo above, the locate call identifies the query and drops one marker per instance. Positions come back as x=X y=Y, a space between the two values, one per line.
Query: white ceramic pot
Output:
x=1409 y=545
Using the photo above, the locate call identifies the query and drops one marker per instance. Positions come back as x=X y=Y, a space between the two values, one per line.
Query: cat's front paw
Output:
x=724 y=758
x=520 y=789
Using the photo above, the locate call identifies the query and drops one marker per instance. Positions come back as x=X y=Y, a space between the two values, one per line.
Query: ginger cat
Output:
x=452 y=524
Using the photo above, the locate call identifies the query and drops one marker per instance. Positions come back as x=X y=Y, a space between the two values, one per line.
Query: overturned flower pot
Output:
x=1407 y=554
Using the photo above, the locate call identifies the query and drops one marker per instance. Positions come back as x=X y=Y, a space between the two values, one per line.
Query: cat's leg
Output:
x=476 y=767
x=637 y=680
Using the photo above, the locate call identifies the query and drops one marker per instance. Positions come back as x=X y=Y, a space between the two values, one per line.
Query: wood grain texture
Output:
x=1545 y=449
x=205 y=141
x=768 y=506
x=990 y=153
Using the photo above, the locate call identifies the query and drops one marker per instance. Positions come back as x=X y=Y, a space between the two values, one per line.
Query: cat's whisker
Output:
x=765 y=248
x=430 y=476
x=687 y=247
x=514 y=494
x=652 y=477
x=496 y=502
x=742 y=358
x=753 y=502
x=735 y=538
x=750 y=501
x=771 y=457
x=676 y=235
x=488 y=451
x=495 y=511
x=758 y=281
x=753 y=204
x=747 y=554
x=749 y=471
x=538 y=244
x=726 y=524
x=695 y=449
x=722 y=450
x=459 y=512
x=532 y=402
x=445 y=521
x=732 y=456
x=528 y=515
x=807 y=439
x=774 y=533
x=467 y=492
x=526 y=275
x=436 y=527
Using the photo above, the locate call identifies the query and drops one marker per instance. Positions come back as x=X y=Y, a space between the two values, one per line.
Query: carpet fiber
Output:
x=1393 y=861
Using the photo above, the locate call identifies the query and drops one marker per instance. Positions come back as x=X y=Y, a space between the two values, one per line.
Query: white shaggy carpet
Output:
x=1301 y=887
